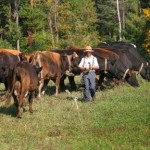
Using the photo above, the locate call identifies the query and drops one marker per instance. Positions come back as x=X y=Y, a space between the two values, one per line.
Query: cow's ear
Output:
x=74 y=55
x=22 y=57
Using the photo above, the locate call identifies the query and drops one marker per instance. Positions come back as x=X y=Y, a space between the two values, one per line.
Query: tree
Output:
x=10 y=22
x=146 y=44
x=107 y=19
x=119 y=21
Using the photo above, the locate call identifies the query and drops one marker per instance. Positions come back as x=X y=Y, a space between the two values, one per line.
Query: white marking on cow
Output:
x=142 y=65
x=18 y=57
x=125 y=74
x=67 y=91
x=133 y=45
x=104 y=42
x=16 y=92
x=75 y=55
x=105 y=71
x=26 y=94
x=43 y=92
x=147 y=63
x=38 y=60
x=69 y=61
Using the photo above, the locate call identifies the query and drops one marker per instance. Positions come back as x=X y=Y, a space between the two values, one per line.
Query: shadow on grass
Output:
x=50 y=90
x=11 y=110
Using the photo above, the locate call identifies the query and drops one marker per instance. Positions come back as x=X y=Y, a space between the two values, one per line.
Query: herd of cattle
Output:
x=24 y=74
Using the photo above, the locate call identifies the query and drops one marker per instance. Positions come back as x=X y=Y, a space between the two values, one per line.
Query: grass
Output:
x=118 y=120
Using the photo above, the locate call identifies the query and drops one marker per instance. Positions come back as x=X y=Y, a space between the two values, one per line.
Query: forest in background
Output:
x=28 y=25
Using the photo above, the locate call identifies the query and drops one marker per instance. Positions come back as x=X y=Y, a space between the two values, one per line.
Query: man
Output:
x=88 y=65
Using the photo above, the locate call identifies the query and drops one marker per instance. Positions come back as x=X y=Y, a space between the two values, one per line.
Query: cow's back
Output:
x=14 y=52
x=27 y=74
x=50 y=62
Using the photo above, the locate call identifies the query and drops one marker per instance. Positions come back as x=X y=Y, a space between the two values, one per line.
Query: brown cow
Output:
x=15 y=52
x=54 y=67
x=7 y=63
x=25 y=80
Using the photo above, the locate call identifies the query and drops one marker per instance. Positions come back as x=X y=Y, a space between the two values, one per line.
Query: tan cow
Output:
x=54 y=66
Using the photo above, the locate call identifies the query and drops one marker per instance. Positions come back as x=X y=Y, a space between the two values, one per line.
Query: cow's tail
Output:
x=8 y=96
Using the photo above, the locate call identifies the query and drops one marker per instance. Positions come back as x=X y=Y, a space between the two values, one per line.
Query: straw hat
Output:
x=88 y=49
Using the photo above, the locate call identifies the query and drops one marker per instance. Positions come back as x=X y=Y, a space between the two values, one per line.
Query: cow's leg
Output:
x=57 y=82
x=20 y=103
x=72 y=82
x=30 y=101
x=100 y=81
x=62 y=84
x=40 y=87
x=44 y=86
x=15 y=99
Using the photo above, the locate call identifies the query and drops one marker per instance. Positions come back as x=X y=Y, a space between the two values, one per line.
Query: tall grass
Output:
x=118 y=119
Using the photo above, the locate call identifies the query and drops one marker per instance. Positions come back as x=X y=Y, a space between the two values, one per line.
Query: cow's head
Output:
x=125 y=74
x=131 y=78
x=65 y=61
x=145 y=72
x=75 y=60
x=22 y=57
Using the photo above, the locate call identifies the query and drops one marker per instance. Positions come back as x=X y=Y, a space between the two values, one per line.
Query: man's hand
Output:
x=86 y=68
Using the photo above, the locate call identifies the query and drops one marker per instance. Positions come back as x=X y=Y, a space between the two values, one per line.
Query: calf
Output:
x=25 y=80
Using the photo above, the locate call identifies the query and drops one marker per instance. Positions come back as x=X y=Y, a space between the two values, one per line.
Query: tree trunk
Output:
x=51 y=29
x=31 y=3
x=119 y=21
x=56 y=19
x=16 y=15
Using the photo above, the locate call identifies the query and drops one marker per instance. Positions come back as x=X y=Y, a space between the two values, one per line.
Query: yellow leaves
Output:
x=147 y=13
x=146 y=45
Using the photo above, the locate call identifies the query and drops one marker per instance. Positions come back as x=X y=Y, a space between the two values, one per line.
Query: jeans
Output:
x=89 y=82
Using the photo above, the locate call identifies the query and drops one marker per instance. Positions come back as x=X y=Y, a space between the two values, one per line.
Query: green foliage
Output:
x=34 y=19
x=42 y=41
x=5 y=44
x=134 y=23
x=145 y=3
x=59 y=24
x=107 y=25
x=77 y=23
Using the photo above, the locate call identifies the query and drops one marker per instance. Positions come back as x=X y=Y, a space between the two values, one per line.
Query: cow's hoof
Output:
x=24 y=110
x=19 y=117
x=31 y=111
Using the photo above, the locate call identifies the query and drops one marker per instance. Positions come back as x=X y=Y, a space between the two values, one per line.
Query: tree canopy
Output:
x=45 y=24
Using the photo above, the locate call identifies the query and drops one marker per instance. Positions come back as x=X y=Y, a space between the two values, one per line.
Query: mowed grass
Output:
x=119 y=119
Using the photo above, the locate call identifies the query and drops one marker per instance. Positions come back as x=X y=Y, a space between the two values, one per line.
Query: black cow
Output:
x=108 y=61
x=137 y=61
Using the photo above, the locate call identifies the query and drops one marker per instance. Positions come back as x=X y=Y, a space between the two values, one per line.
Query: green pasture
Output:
x=118 y=120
